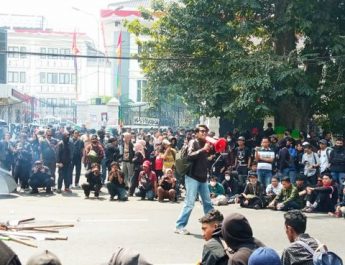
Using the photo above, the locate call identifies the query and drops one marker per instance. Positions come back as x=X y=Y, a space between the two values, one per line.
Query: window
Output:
x=65 y=51
x=43 y=78
x=73 y=79
x=22 y=77
x=23 y=49
x=141 y=84
x=13 y=49
x=52 y=78
x=13 y=77
x=52 y=51
x=64 y=78
x=43 y=50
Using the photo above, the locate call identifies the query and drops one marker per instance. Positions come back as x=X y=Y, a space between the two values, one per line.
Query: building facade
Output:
x=45 y=69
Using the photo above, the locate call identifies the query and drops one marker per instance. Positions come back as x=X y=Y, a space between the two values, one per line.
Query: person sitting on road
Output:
x=252 y=197
x=273 y=189
x=166 y=186
x=238 y=236
x=217 y=192
x=147 y=183
x=301 y=188
x=295 y=226
x=288 y=198
x=40 y=178
x=213 y=252
x=322 y=199
x=94 y=181
x=230 y=184
x=116 y=184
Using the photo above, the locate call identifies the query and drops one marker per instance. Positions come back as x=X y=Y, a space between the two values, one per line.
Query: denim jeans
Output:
x=193 y=187
x=76 y=163
x=338 y=176
x=117 y=190
x=288 y=172
x=148 y=194
x=65 y=175
x=265 y=176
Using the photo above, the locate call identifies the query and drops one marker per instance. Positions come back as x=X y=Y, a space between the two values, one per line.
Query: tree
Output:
x=264 y=57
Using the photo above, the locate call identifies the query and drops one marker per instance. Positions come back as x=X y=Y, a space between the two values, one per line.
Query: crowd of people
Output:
x=257 y=170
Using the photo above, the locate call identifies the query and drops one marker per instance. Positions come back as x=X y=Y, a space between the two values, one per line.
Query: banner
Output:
x=145 y=121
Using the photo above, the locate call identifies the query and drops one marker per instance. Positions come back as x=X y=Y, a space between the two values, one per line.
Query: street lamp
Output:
x=97 y=48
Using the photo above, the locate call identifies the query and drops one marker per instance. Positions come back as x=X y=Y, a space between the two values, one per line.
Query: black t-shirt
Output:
x=242 y=155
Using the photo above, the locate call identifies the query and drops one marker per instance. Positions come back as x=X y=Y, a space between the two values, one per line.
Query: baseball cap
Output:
x=241 y=138
x=44 y=258
x=323 y=141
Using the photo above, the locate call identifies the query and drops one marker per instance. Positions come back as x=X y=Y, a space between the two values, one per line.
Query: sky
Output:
x=60 y=14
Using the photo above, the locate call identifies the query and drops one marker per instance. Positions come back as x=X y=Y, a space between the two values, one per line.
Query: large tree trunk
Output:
x=285 y=40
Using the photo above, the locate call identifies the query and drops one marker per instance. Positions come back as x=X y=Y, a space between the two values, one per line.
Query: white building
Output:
x=131 y=81
x=53 y=79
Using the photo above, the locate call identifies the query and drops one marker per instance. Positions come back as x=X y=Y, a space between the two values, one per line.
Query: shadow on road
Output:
x=9 y=196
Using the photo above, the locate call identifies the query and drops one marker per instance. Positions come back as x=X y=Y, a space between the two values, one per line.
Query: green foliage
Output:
x=262 y=57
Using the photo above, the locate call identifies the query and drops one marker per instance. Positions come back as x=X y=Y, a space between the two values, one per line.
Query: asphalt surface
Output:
x=101 y=226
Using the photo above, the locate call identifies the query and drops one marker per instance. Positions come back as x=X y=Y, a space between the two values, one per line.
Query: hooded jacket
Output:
x=124 y=256
x=238 y=235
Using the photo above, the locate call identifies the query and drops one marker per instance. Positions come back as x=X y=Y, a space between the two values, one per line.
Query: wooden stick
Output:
x=45 y=230
x=21 y=242
x=39 y=226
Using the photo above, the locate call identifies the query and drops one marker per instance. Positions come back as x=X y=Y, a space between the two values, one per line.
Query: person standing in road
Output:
x=196 y=180
x=127 y=157
x=78 y=151
x=64 y=162
x=48 y=152
x=337 y=161
x=265 y=157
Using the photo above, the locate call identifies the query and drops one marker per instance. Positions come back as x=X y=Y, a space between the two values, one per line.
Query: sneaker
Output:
x=34 y=192
x=181 y=231
x=111 y=199
x=86 y=197
x=58 y=190
x=68 y=191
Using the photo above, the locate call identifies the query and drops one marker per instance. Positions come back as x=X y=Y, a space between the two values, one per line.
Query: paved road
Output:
x=101 y=226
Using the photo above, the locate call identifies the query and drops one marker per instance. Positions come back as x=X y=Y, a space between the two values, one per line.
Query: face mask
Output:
x=227 y=177
x=213 y=183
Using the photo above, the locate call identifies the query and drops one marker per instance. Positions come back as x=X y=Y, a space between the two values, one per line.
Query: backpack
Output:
x=321 y=256
x=182 y=164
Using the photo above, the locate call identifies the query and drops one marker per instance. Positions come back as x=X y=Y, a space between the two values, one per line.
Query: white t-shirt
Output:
x=265 y=153
x=274 y=190
x=324 y=155
x=310 y=160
